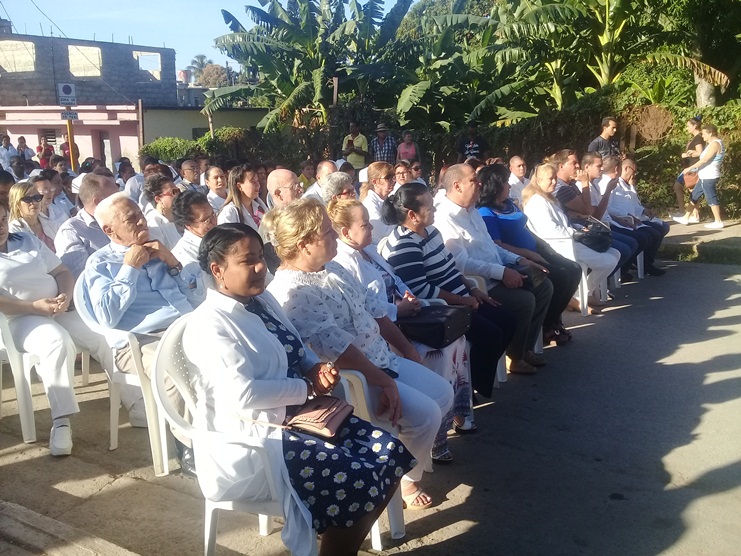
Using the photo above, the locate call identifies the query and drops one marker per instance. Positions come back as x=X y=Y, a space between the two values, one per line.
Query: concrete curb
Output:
x=43 y=535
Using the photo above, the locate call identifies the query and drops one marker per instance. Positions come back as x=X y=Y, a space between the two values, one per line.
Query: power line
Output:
x=111 y=87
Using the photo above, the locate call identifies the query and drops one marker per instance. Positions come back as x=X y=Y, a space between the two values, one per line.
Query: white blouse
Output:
x=230 y=213
x=25 y=268
x=546 y=220
x=49 y=226
x=186 y=249
x=241 y=377
x=161 y=228
x=332 y=310
x=374 y=204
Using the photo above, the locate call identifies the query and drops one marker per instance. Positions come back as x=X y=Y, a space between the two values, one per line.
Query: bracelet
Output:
x=312 y=390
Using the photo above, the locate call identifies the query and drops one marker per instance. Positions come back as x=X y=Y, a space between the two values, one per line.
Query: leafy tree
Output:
x=197 y=65
x=213 y=76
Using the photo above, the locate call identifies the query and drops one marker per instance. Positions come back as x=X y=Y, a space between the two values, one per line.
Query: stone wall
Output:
x=104 y=73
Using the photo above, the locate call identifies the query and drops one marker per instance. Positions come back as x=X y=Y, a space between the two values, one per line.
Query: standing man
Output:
x=383 y=147
x=70 y=151
x=355 y=147
x=517 y=179
x=605 y=143
x=472 y=145
x=6 y=152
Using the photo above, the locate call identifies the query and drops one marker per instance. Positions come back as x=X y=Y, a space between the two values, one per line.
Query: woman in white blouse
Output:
x=251 y=369
x=243 y=203
x=35 y=295
x=193 y=213
x=160 y=192
x=217 y=191
x=356 y=253
x=26 y=214
x=341 y=322
x=548 y=222
x=380 y=184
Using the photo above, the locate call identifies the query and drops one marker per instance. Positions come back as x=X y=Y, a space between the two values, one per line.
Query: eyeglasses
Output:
x=347 y=193
x=388 y=177
x=404 y=173
x=189 y=169
x=294 y=186
x=209 y=218
x=32 y=199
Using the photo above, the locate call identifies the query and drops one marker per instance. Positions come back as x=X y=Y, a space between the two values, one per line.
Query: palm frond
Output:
x=232 y=22
x=702 y=70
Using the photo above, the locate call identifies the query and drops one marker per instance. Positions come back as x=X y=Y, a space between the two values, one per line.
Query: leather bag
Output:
x=436 y=326
x=691 y=179
x=597 y=236
x=322 y=416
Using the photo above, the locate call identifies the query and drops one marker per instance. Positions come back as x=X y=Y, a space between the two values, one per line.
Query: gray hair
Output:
x=106 y=209
x=335 y=183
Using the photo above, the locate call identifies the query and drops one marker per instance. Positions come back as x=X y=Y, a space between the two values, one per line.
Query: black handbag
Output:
x=436 y=326
x=596 y=236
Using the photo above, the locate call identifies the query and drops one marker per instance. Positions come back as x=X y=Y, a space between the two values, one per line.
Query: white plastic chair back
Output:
x=171 y=362
x=113 y=337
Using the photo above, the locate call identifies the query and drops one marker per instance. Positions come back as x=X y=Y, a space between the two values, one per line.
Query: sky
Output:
x=188 y=26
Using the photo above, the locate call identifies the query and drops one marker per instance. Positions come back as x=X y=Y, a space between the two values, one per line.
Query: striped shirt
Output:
x=423 y=264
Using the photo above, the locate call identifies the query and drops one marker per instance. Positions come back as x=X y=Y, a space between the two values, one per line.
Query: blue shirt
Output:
x=508 y=226
x=139 y=300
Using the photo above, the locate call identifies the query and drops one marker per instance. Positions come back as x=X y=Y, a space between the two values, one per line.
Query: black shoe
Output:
x=626 y=277
x=653 y=271
x=186 y=459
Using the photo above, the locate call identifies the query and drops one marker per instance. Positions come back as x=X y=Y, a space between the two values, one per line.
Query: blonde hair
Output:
x=340 y=212
x=376 y=170
x=298 y=221
x=16 y=193
x=533 y=188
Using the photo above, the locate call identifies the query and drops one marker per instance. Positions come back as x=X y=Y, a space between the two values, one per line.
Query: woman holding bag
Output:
x=690 y=155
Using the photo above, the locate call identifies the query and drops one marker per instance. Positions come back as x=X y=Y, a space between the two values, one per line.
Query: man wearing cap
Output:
x=355 y=147
x=383 y=147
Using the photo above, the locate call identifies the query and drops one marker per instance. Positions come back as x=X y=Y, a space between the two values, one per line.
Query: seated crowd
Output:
x=292 y=278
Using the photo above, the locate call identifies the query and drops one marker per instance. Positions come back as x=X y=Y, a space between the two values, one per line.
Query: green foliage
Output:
x=170 y=148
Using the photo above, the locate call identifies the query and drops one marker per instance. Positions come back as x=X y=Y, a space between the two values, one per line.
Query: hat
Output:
x=363 y=175
x=381 y=127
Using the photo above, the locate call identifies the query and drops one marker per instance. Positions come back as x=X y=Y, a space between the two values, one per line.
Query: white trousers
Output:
x=425 y=398
x=601 y=264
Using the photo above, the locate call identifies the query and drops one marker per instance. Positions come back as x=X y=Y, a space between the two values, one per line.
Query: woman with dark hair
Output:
x=416 y=252
x=252 y=369
x=217 y=189
x=243 y=203
x=402 y=173
x=690 y=155
x=160 y=192
x=507 y=226
x=60 y=201
x=262 y=175
x=193 y=214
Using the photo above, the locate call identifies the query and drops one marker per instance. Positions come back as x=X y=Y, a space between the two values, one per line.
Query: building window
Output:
x=17 y=56
x=84 y=61
x=149 y=62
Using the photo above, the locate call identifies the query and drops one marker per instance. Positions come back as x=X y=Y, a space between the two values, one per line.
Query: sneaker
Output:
x=60 y=440
x=681 y=220
x=693 y=220
x=138 y=415
x=715 y=226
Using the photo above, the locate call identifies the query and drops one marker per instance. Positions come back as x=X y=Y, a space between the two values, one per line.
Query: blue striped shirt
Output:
x=423 y=264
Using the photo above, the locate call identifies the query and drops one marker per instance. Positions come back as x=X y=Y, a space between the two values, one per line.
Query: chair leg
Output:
x=395 y=512
x=25 y=402
x=114 y=393
x=583 y=294
x=265 y=524
x=501 y=369
x=85 y=368
x=211 y=525
x=603 y=291
x=538 y=347
x=155 y=432
x=375 y=535
x=639 y=264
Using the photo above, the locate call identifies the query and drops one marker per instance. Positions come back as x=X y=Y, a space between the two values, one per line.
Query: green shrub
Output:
x=170 y=148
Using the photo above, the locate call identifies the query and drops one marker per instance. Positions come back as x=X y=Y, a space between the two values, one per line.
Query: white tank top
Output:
x=712 y=169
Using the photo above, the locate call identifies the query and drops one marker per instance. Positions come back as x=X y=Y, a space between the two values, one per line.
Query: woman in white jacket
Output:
x=549 y=222
x=251 y=369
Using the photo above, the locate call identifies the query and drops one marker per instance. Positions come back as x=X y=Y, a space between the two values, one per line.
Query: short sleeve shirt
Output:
x=360 y=142
x=472 y=147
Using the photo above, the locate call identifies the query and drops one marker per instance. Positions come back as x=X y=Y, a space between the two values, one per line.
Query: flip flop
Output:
x=446 y=458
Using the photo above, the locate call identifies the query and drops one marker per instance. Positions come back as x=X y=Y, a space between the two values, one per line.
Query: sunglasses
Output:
x=171 y=193
x=32 y=199
x=416 y=168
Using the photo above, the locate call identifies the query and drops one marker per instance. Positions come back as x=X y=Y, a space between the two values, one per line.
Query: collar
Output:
x=191 y=238
x=452 y=208
x=345 y=249
x=118 y=248
x=87 y=218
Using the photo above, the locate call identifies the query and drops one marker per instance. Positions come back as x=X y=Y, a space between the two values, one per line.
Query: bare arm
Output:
x=705 y=160
x=394 y=336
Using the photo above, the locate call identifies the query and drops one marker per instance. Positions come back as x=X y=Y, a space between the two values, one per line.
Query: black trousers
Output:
x=565 y=276
x=492 y=329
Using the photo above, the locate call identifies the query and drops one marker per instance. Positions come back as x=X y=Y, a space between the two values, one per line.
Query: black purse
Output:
x=596 y=236
x=436 y=326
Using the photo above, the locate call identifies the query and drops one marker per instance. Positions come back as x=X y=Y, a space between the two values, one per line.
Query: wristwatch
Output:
x=175 y=270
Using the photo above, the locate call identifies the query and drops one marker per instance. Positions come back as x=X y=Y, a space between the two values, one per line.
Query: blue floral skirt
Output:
x=342 y=479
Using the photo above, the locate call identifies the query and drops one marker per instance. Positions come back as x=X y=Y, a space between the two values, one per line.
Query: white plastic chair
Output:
x=170 y=361
x=20 y=365
x=155 y=423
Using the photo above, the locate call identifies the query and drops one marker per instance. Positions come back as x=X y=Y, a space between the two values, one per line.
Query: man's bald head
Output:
x=323 y=169
x=517 y=167
x=283 y=186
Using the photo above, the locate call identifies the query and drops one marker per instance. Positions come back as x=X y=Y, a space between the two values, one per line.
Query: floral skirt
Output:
x=342 y=479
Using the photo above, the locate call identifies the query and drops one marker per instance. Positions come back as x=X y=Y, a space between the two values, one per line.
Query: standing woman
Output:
x=24 y=151
x=408 y=149
x=243 y=203
x=380 y=184
x=690 y=155
x=26 y=214
x=708 y=168
x=44 y=152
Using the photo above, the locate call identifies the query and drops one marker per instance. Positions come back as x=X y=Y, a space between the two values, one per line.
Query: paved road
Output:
x=627 y=443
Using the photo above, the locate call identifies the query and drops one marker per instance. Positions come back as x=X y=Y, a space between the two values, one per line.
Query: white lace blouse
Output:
x=332 y=310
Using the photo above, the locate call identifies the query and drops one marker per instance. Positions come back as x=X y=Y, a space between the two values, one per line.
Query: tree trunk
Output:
x=704 y=93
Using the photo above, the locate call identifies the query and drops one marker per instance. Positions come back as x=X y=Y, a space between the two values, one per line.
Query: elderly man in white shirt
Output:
x=323 y=169
x=466 y=237
x=517 y=179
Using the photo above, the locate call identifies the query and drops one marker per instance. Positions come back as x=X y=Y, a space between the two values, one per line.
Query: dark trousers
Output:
x=492 y=329
x=628 y=248
x=565 y=275
x=649 y=240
